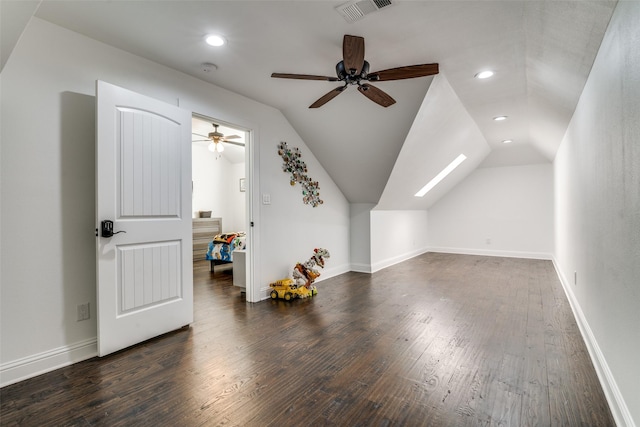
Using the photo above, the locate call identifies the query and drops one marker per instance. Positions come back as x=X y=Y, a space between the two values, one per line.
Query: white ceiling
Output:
x=541 y=51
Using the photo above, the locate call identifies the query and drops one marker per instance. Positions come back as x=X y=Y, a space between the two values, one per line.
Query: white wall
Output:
x=597 y=213
x=397 y=236
x=237 y=200
x=381 y=238
x=48 y=197
x=504 y=211
x=360 y=236
x=326 y=226
x=216 y=188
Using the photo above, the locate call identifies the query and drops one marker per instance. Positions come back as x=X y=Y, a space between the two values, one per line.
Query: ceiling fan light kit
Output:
x=217 y=138
x=354 y=70
x=216 y=147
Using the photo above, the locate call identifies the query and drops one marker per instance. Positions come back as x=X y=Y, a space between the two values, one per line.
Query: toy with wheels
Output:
x=304 y=274
x=287 y=289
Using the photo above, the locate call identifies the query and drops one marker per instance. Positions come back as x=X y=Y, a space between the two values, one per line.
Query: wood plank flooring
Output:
x=439 y=340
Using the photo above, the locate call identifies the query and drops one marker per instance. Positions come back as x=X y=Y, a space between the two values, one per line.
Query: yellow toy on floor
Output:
x=287 y=289
x=301 y=286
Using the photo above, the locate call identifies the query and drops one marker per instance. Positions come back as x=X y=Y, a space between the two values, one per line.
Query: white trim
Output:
x=380 y=265
x=264 y=294
x=488 y=252
x=47 y=361
x=377 y=266
x=361 y=268
x=333 y=272
x=252 y=209
x=619 y=408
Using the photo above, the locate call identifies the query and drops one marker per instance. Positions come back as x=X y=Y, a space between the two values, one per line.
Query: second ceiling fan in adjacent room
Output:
x=217 y=138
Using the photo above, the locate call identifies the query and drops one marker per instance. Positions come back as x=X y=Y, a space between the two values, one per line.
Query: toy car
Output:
x=287 y=289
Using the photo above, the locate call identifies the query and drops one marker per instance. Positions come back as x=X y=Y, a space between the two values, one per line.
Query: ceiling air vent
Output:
x=355 y=10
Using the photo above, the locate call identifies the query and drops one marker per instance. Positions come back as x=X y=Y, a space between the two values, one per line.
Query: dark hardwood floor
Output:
x=439 y=340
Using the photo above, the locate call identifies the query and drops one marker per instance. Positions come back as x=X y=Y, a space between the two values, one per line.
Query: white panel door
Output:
x=143 y=185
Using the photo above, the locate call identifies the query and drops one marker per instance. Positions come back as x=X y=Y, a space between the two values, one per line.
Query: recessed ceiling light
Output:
x=500 y=118
x=484 y=74
x=507 y=141
x=214 y=40
x=446 y=171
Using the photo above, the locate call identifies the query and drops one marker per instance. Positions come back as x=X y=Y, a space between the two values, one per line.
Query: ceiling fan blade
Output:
x=201 y=140
x=327 y=97
x=201 y=136
x=408 y=72
x=376 y=95
x=232 y=137
x=353 y=53
x=239 y=144
x=303 y=77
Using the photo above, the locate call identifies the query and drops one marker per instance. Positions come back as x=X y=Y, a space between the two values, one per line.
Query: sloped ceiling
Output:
x=14 y=16
x=541 y=52
x=443 y=130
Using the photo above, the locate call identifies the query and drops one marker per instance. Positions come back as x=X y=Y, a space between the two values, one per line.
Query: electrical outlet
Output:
x=83 y=312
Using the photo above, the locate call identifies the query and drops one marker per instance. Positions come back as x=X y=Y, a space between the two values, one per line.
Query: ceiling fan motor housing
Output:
x=215 y=135
x=342 y=74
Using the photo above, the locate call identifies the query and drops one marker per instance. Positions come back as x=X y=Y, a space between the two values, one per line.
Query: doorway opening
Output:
x=221 y=197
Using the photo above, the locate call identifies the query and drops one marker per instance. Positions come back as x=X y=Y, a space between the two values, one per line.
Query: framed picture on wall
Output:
x=242 y=185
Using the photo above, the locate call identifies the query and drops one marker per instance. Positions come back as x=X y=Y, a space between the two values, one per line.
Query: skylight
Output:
x=484 y=74
x=446 y=171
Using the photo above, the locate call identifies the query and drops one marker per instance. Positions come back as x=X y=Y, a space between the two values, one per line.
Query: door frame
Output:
x=251 y=174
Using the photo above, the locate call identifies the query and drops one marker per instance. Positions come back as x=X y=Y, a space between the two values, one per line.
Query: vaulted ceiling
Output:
x=541 y=53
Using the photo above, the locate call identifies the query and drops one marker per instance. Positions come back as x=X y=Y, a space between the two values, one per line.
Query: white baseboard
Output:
x=328 y=273
x=365 y=268
x=34 y=365
x=361 y=268
x=489 y=252
x=396 y=259
x=618 y=406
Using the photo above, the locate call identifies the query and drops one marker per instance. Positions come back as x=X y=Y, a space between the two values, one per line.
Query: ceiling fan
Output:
x=354 y=70
x=217 y=138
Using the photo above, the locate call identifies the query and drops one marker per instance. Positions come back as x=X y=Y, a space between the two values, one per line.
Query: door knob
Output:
x=107 y=229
